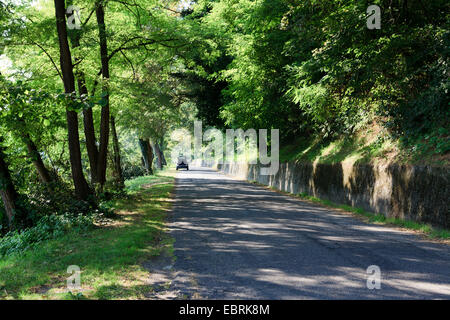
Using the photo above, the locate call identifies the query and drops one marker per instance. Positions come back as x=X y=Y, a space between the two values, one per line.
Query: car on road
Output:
x=182 y=163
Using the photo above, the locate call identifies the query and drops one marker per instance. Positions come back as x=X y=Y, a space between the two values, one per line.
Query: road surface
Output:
x=235 y=240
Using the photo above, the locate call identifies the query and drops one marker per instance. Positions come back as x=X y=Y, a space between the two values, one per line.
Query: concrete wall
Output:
x=419 y=193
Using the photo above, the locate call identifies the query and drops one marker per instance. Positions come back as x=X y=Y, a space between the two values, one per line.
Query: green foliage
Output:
x=47 y=215
x=32 y=105
x=25 y=110
x=48 y=227
x=314 y=68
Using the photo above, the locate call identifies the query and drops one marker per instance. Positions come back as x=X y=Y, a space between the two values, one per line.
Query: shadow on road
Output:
x=235 y=240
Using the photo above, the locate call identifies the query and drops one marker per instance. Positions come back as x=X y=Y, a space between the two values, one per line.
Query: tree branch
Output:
x=131 y=64
x=49 y=56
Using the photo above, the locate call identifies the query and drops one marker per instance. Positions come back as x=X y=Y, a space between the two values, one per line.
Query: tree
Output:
x=104 y=122
x=7 y=191
x=82 y=189
x=116 y=149
x=147 y=154
x=24 y=113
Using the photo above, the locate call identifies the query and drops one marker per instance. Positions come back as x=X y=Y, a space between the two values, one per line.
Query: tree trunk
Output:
x=7 y=191
x=33 y=153
x=150 y=156
x=89 y=131
x=82 y=190
x=143 y=147
x=116 y=149
x=88 y=120
x=147 y=155
x=104 y=122
x=91 y=144
x=159 y=162
x=163 y=158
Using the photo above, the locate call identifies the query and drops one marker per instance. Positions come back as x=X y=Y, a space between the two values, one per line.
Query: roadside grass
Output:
x=159 y=178
x=426 y=230
x=110 y=256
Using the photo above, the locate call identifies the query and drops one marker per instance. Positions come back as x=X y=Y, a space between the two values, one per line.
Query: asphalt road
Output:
x=235 y=240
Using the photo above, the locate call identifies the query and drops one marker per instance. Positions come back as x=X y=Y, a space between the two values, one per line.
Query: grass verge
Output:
x=110 y=256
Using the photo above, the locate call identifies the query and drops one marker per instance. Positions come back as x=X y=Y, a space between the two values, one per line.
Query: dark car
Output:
x=182 y=163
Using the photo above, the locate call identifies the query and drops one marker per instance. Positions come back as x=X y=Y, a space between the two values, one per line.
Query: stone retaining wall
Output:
x=419 y=193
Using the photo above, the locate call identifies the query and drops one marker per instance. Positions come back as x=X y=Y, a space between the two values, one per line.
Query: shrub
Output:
x=40 y=200
x=48 y=227
x=133 y=171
